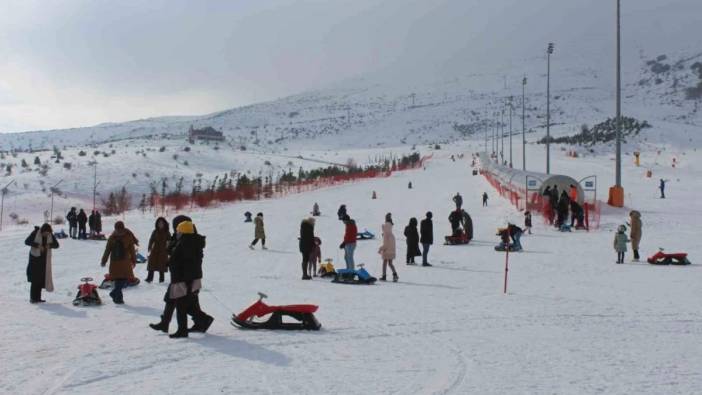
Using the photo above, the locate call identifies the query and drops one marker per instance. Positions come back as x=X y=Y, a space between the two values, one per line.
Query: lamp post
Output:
x=51 y=212
x=2 y=200
x=524 y=82
x=616 y=193
x=502 y=136
x=510 y=132
x=549 y=51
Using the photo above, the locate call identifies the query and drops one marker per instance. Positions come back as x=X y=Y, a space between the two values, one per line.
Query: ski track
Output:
x=572 y=322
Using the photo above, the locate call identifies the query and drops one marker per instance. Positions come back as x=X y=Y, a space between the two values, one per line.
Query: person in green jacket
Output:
x=620 y=240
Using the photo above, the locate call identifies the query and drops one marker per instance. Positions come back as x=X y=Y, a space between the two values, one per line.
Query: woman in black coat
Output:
x=41 y=241
x=306 y=244
x=412 y=238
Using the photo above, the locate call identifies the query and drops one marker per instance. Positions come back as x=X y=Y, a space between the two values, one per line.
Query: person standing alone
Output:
x=120 y=250
x=388 y=250
x=259 y=232
x=426 y=230
x=39 y=273
x=349 y=243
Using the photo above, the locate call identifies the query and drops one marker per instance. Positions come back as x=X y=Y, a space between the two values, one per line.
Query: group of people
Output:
x=77 y=221
x=563 y=203
x=621 y=239
x=180 y=253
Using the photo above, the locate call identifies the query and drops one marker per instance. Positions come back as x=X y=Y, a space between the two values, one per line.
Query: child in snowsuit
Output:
x=620 y=241
x=315 y=257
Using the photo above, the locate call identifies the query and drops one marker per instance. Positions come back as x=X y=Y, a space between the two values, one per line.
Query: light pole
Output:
x=486 y=128
x=510 y=132
x=616 y=193
x=502 y=136
x=2 y=200
x=95 y=182
x=51 y=212
x=524 y=82
x=494 y=134
x=549 y=51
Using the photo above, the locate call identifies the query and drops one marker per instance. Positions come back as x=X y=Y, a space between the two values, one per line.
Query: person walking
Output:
x=82 y=220
x=186 y=280
x=388 y=250
x=485 y=199
x=661 y=186
x=635 y=232
x=426 y=230
x=306 y=245
x=620 y=241
x=158 y=251
x=412 y=239
x=39 y=274
x=349 y=243
x=72 y=218
x=259 y=232
x=121 y=252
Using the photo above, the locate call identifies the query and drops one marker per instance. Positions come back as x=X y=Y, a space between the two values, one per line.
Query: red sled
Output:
x=457 y=240
x=303 y=314
x=87 y=294
x=662 y=258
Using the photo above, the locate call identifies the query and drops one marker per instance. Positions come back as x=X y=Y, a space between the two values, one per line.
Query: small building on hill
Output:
x=208 y=133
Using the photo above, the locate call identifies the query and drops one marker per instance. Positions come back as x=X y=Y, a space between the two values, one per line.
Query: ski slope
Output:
x=572 y=322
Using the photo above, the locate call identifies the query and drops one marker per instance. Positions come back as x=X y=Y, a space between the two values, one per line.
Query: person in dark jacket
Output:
x=527 y=221
x=72 y=218
x=426 y=230
x=91 y=223
x=467 y=223
x=82 y=220
x=306 y=244
x=515 y=232
x=458 y=199
x=185 y=266
x=158 y=250
x=485 y=199
x=455 y=221
x=661 y=186
x=39 y=272
x=341 y=213
x=201 y=322
x=412 y=238
x=562 y=208
x=554 y=198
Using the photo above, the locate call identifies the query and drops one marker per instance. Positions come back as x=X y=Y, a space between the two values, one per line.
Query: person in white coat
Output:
x=387 y=250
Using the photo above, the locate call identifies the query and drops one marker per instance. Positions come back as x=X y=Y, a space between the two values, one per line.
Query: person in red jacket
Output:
x=349 y=243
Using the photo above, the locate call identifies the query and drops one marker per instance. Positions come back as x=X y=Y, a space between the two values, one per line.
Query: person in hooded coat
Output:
x=306 y=245
x=169 y=304
x=158 y=250
x=467 y=222
x=259 y=232
x=186 y=278
x=91 y=223
x=82 y=220
x=635 y=232
x=412 y=239
x=98 y=222
x=562 y=209
x=121 y=252
x=426 y=231
x=39 y=272
x=72 y=218
x=341 y=213
x=388 y=250
x=620 y=241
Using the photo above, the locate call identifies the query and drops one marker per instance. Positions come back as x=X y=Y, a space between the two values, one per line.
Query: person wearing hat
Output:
x=426 y=230
x=620 y=241
x=306 y=245
x=121 y=252
x=41 y=241
x=186 y=278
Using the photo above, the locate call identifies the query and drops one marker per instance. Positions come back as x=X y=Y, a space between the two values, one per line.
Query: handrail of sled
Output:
x=262 y=296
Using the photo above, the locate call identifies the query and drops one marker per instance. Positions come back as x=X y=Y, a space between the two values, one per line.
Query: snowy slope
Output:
x=573 y=322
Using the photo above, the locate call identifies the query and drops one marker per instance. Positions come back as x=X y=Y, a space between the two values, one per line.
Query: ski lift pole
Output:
x=506 y=267
x=51 y=213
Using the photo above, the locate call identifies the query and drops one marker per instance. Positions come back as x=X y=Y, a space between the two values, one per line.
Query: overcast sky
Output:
x=77 y=63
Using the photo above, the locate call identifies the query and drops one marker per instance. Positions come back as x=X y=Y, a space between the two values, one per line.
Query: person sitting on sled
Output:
x=455 y=219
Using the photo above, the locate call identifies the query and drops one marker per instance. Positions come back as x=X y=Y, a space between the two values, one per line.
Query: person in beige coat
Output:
x=388 y=250
x=259 y=232
x=121 y=252
x=635 y=232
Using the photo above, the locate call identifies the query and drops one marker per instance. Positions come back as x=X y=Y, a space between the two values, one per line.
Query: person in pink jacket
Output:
x=387 y=250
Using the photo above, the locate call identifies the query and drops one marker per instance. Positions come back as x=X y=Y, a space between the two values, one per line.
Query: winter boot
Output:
x=161 y=326
x=202 y=325
x=395 y=277
x=383 y=278
x=150 y=277
x=182 y=317
x=161 y=277
x=251 y=246
x=426 y=264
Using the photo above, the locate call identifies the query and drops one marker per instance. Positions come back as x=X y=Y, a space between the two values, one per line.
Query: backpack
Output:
x=118 y=251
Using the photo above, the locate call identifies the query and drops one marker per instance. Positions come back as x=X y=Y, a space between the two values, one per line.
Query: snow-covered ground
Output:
x=572 y=321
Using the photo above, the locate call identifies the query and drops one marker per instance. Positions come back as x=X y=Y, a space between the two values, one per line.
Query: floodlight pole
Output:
x=524 y=82
x=549 y=51
x=51 y=212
